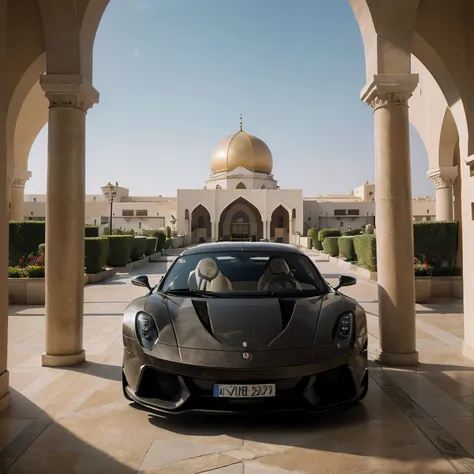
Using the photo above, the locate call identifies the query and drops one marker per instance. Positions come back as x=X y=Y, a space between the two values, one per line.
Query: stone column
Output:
x=70 y=96
x=17 y=199
x=388 y=96
x=443 y=179
x=214 y=231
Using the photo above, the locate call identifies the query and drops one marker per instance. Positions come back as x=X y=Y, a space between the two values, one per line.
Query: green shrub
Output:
x=120 y=250
x=350 y=232
x=16 y=272
x=323 y=233
x=168 y=244
x=91 y=230
x=161 y=241
x=41 y=249
x=25 y=238
x=365 y=247
x=330 y=246
x=437 y=242
x=96 y=252
x=151 y=245
x=168 y=232
x=346 y=248
x=33 y=271
x=138 y=248
x=313 y=234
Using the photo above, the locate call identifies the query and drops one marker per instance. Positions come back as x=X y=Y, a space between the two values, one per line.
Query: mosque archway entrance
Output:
x=280 y=225
x=200 y=225
x=240 y=221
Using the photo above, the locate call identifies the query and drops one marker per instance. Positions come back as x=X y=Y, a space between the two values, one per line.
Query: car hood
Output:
x=253 y=323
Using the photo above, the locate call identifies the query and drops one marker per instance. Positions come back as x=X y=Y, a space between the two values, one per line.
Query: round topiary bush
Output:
x=324 y=233
x=330 y=246
x=346 y=248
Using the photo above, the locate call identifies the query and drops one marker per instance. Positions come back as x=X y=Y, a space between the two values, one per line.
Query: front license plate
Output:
x=244 y=391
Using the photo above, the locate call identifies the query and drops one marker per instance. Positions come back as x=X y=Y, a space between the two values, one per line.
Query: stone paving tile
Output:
x=77 y=421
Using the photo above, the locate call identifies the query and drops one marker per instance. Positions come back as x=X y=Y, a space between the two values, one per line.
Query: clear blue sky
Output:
x=174 y=75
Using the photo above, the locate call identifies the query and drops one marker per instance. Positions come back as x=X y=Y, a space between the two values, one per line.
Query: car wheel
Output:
x=365 y=385
x=124 y=384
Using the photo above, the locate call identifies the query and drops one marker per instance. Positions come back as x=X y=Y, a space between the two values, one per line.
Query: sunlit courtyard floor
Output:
x=77 y=421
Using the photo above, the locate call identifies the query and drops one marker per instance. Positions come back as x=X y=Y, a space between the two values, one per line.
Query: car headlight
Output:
x=147 y=331
x=344 y=328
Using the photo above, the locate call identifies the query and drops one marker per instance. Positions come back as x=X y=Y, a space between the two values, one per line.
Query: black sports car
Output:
x=244 y=327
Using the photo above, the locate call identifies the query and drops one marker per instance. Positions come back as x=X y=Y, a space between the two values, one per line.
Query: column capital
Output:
x=444 y=176
x=69 y=90
x=19 y=177
x=389 y=89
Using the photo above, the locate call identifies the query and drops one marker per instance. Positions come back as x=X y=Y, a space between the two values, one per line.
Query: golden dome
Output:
x=241 y=149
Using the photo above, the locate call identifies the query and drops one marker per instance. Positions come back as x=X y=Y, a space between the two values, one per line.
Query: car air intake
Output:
x=286 y=309
x=201 y=310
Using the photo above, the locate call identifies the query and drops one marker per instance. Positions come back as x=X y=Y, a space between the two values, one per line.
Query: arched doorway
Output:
x=241 y=221
x=280 y=225
x=200 y=225
x=241 y=186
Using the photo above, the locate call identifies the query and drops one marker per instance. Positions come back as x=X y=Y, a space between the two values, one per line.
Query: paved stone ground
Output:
x=65 y=421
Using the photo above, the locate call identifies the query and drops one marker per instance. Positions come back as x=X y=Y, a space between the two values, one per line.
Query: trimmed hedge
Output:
x=120 y=250
x=365 y=247
x=313 y=234
x=138 y=248
x=150 y=245
x=437 y=242
x=25 y=238
x=91 y=231
x=346 y=248
x=351 y=232
x=96 y=251
x=330 y=246
x=160 y=235
x=168 y=232
x=323 y=233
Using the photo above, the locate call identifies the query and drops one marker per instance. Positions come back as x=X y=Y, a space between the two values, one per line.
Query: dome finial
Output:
x=240 y=122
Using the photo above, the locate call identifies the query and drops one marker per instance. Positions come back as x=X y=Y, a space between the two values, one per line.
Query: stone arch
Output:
x=449 y=139
x=241 y=186
x=263 y=187
x=200 y=224
x=218 y=186
x=280 y=225
x=241 y=220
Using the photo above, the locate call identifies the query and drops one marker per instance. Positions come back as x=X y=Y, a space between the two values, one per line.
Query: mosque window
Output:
x=339 y=212
x=241 y=186
x=127 y=213
x=218 y=186
x=141 y=213
x=353 y=212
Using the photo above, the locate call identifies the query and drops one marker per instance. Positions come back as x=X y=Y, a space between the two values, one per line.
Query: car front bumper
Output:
x=174 y=388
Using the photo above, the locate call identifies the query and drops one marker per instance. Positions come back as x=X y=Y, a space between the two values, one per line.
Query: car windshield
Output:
x=245 y=273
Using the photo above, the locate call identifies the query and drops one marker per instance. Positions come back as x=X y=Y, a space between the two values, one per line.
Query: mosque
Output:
x=241 y=200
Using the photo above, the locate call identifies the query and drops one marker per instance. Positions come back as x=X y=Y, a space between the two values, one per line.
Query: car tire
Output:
x=365 y=386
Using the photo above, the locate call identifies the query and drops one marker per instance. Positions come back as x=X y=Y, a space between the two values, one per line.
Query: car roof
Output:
x=242 y=246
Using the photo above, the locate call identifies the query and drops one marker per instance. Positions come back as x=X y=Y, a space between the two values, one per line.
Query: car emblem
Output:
x=246 y=355
x=244 y=344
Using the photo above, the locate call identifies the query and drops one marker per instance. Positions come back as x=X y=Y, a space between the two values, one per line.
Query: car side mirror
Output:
x=345 y=280
x=142 y=280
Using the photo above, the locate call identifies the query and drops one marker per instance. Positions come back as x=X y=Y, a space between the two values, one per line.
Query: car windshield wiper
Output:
x=191 y=292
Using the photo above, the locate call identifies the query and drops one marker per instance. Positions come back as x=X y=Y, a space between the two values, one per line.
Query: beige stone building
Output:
x=46 y=64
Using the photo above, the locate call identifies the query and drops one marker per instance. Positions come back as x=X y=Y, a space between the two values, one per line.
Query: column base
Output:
x=397 y=360
x=63 y=360
x=468 y=350
x=4 y=392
